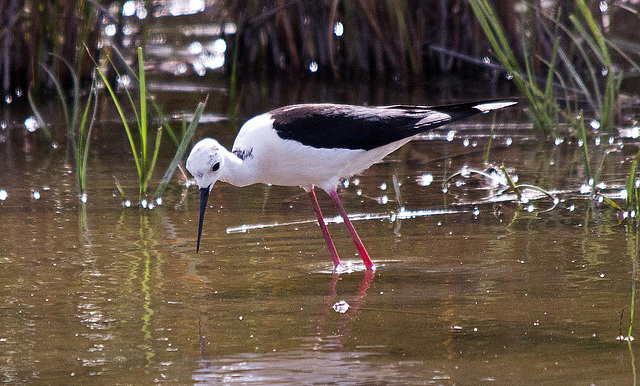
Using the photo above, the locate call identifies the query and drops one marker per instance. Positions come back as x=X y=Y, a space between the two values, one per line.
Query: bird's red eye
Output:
x=215 y=167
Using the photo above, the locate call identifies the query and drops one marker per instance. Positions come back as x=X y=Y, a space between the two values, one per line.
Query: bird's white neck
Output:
x=235 y=170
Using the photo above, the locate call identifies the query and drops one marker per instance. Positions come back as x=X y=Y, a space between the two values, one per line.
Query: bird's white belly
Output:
x=299 y=165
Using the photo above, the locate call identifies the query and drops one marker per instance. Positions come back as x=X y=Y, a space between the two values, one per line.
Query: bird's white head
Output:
x=205 y=164
x=205 y=161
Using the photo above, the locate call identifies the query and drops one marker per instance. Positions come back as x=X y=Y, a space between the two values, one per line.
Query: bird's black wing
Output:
x=357 y=127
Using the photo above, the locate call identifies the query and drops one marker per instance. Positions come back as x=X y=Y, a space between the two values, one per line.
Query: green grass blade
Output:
x=76 y=89
x=182 y=147
x=595 y=30
x=537 y=189
x=143 y=110
x=120 y=190
x=582 y=131
x=154 y=159
x=127 y=93
x=123 y=118
x=63 y=100
x=584 y=35
x=80 y=148
x=580 y=82
x=87 y=138
x=165 y=124
x=630 y=184
x=36 y=113
x=512 y=185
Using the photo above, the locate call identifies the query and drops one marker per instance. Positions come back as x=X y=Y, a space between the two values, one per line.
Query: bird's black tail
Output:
x=454 y=111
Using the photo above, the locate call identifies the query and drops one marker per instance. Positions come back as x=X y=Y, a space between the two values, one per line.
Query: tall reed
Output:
x=568 y=46
x=145 y=155
x=32 y=29
x=78 y=124
x=139 y=145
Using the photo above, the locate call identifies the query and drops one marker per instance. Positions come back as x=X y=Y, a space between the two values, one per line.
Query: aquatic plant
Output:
x=582 y=45
x=631 y=186
x=82 y=140
x=145 y=157
x=502 y=182
x=36 y=28
x=78 y=127
x=144 y=165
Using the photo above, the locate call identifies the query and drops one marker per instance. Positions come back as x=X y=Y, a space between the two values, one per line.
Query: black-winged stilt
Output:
x=311 y=145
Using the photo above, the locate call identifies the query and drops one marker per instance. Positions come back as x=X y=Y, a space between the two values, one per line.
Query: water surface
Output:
x=471 y=287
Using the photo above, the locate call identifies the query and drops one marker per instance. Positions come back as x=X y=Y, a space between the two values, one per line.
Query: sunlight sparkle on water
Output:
x=35 y=194
x=195 y=48
x=425 y=179
x=110 y=30
x=128 y=29
x=181 y=69
x=141 y=13
x=124 y=80
x=585 y=189
x=190 y=7
x=31 y=124
x=220 y=46
x=129 y=8
x=603 y=6
x=341 y=307
x=338 y=29
x=450 y=135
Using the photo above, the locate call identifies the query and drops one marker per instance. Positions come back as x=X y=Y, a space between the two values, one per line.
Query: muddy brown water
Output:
x=471 y=287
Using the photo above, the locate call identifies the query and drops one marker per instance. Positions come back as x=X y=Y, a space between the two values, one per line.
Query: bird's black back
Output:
x=357 y=127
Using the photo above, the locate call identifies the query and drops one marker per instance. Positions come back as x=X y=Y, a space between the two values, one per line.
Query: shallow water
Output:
x=470 y=287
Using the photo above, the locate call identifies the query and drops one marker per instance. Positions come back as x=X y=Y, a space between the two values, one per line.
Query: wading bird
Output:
x=318 y=145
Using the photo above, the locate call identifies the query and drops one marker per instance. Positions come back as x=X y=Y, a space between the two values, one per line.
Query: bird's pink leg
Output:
x=354 y=235
x=325 y=231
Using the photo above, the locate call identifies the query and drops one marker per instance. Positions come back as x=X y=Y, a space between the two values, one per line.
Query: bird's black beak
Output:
x=204 y=196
